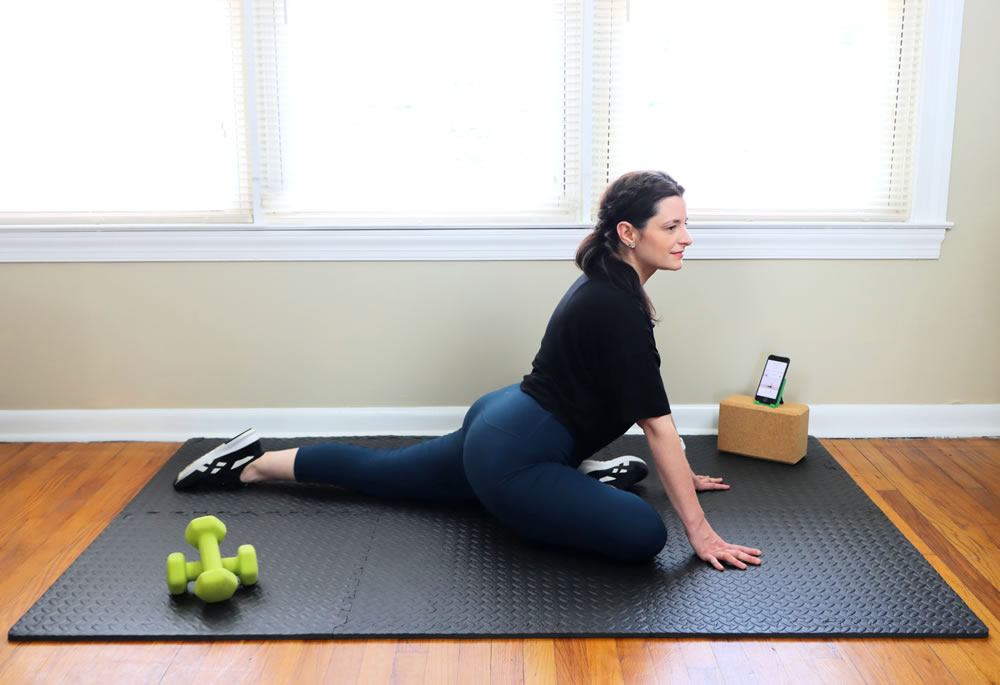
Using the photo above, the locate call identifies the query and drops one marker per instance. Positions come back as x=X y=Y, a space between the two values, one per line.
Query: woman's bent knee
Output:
x=642 y=542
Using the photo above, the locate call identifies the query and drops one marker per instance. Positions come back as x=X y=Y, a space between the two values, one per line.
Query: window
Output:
x=767 y=110
x=315 y=121
x=122 y=111
x=428 y=112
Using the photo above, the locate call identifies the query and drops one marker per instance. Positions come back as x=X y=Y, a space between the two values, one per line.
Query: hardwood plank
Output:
x=11 y=449
x=312 y=661
x=698 y=655
x=18 y=661
x=603 y=665
x=377 y=661
x=700 y=661
x=949 y=512
x=887 y=654
x=988 y=501
x=705 y=677
x=985 y=653
x=270 y=659
x=408 y=668
x=442 y=663
x=45 y=469
x=668 y=661
x=956 y=468
x=507 y=661
x=206 y=662
x=798 y=658
x=934 y=479
x=121 y=662
x=540 y=662
x=925 y=661
x=734 y=666
x=636 y=662
x=571 y=662
x=980 y=586
x=868 y=667
x=985 y=469
x=857 y=464
x=961 y=667
x=345 y=662
x=837 y=672
x=765 y=662
x=410 y=645
x=988 y=447
x=32 y=456
x=257 y=661
x=474 y=658
x=979 y=547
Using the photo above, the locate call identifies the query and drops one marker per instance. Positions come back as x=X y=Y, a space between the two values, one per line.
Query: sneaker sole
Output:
x=611 y=463
x=245 y=438
x=639 y=470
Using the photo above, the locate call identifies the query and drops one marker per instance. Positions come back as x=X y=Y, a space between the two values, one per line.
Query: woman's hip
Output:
x=507 y=429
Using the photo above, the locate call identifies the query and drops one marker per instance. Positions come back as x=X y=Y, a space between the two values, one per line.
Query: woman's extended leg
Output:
x=278 y=465
x=429 y=470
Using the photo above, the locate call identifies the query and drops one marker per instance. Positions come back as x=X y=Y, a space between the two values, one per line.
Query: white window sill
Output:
x=208 y=243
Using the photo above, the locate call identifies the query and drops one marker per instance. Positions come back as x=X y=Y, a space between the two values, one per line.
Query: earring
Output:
x=632 y=246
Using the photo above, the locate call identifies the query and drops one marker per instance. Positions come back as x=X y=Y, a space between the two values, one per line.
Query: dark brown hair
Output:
x=633 y=198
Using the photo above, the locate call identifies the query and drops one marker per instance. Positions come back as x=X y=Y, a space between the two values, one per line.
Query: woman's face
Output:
x=661 y=244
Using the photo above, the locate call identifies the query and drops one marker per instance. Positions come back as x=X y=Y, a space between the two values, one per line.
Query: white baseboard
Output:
x=175 y=425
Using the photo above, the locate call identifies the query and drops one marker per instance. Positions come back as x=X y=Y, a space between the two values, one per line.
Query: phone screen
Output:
x=770 y=382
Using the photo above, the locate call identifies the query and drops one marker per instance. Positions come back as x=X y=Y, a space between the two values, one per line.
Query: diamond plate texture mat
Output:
x=339 y=564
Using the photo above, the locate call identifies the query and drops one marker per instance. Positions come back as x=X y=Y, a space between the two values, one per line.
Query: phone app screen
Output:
x=770 y=383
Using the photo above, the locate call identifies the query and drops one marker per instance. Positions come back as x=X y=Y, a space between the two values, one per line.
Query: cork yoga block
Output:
x=776 y=433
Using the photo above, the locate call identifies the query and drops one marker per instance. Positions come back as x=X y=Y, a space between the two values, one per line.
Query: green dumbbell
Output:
x=215 y=578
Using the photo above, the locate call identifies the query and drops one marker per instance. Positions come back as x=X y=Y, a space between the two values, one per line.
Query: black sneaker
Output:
x=621 y=473
x=221 y=468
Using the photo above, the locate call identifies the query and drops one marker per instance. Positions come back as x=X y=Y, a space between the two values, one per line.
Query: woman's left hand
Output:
x=708 y=483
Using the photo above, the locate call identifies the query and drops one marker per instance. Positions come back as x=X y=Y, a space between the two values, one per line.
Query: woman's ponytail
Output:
x=632 y=198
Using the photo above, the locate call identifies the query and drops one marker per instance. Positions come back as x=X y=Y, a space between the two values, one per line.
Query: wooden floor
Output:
x=943 y=494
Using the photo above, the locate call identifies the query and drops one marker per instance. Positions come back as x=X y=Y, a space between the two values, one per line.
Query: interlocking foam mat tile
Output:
x=335 y=563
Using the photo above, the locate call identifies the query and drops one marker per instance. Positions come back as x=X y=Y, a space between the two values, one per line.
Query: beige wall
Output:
x=103 y=336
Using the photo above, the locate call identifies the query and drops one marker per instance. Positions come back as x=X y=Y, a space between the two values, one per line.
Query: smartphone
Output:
x=770 y=381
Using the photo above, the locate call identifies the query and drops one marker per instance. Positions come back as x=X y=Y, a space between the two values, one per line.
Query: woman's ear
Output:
x=626 y=232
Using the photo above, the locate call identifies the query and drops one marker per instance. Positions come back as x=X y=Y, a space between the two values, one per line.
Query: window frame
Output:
x=268 y=240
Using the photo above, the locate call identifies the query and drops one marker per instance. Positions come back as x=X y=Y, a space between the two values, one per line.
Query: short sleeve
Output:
x=631 y=367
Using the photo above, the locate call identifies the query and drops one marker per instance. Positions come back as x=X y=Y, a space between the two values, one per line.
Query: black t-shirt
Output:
x=598 y=370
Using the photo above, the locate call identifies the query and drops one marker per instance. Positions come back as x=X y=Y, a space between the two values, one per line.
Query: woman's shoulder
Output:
x=605 y=300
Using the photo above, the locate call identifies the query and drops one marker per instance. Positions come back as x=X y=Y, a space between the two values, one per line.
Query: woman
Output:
x=596 y=373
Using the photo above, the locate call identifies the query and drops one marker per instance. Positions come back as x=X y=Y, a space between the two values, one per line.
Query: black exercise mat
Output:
x=339 y=564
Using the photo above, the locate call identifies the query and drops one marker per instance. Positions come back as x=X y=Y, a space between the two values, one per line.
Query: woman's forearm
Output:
x=676 y=475
x=674 y=471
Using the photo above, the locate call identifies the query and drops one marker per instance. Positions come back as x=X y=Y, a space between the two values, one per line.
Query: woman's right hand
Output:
x=711 y=548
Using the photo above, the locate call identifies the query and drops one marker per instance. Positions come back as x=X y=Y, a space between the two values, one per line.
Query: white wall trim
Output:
x=829 y=421
x=715 y=240
x=936 y=114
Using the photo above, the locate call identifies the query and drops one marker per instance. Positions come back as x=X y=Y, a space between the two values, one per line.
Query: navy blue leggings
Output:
x=516 y=459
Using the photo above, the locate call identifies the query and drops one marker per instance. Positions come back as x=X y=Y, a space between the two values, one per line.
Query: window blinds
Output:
x=452 y=111
x=455 y=112
x=767 y=110
x=123 y=111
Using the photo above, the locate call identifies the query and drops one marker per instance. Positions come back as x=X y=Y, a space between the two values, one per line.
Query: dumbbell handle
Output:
x=194 y=568
x=208 y=547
